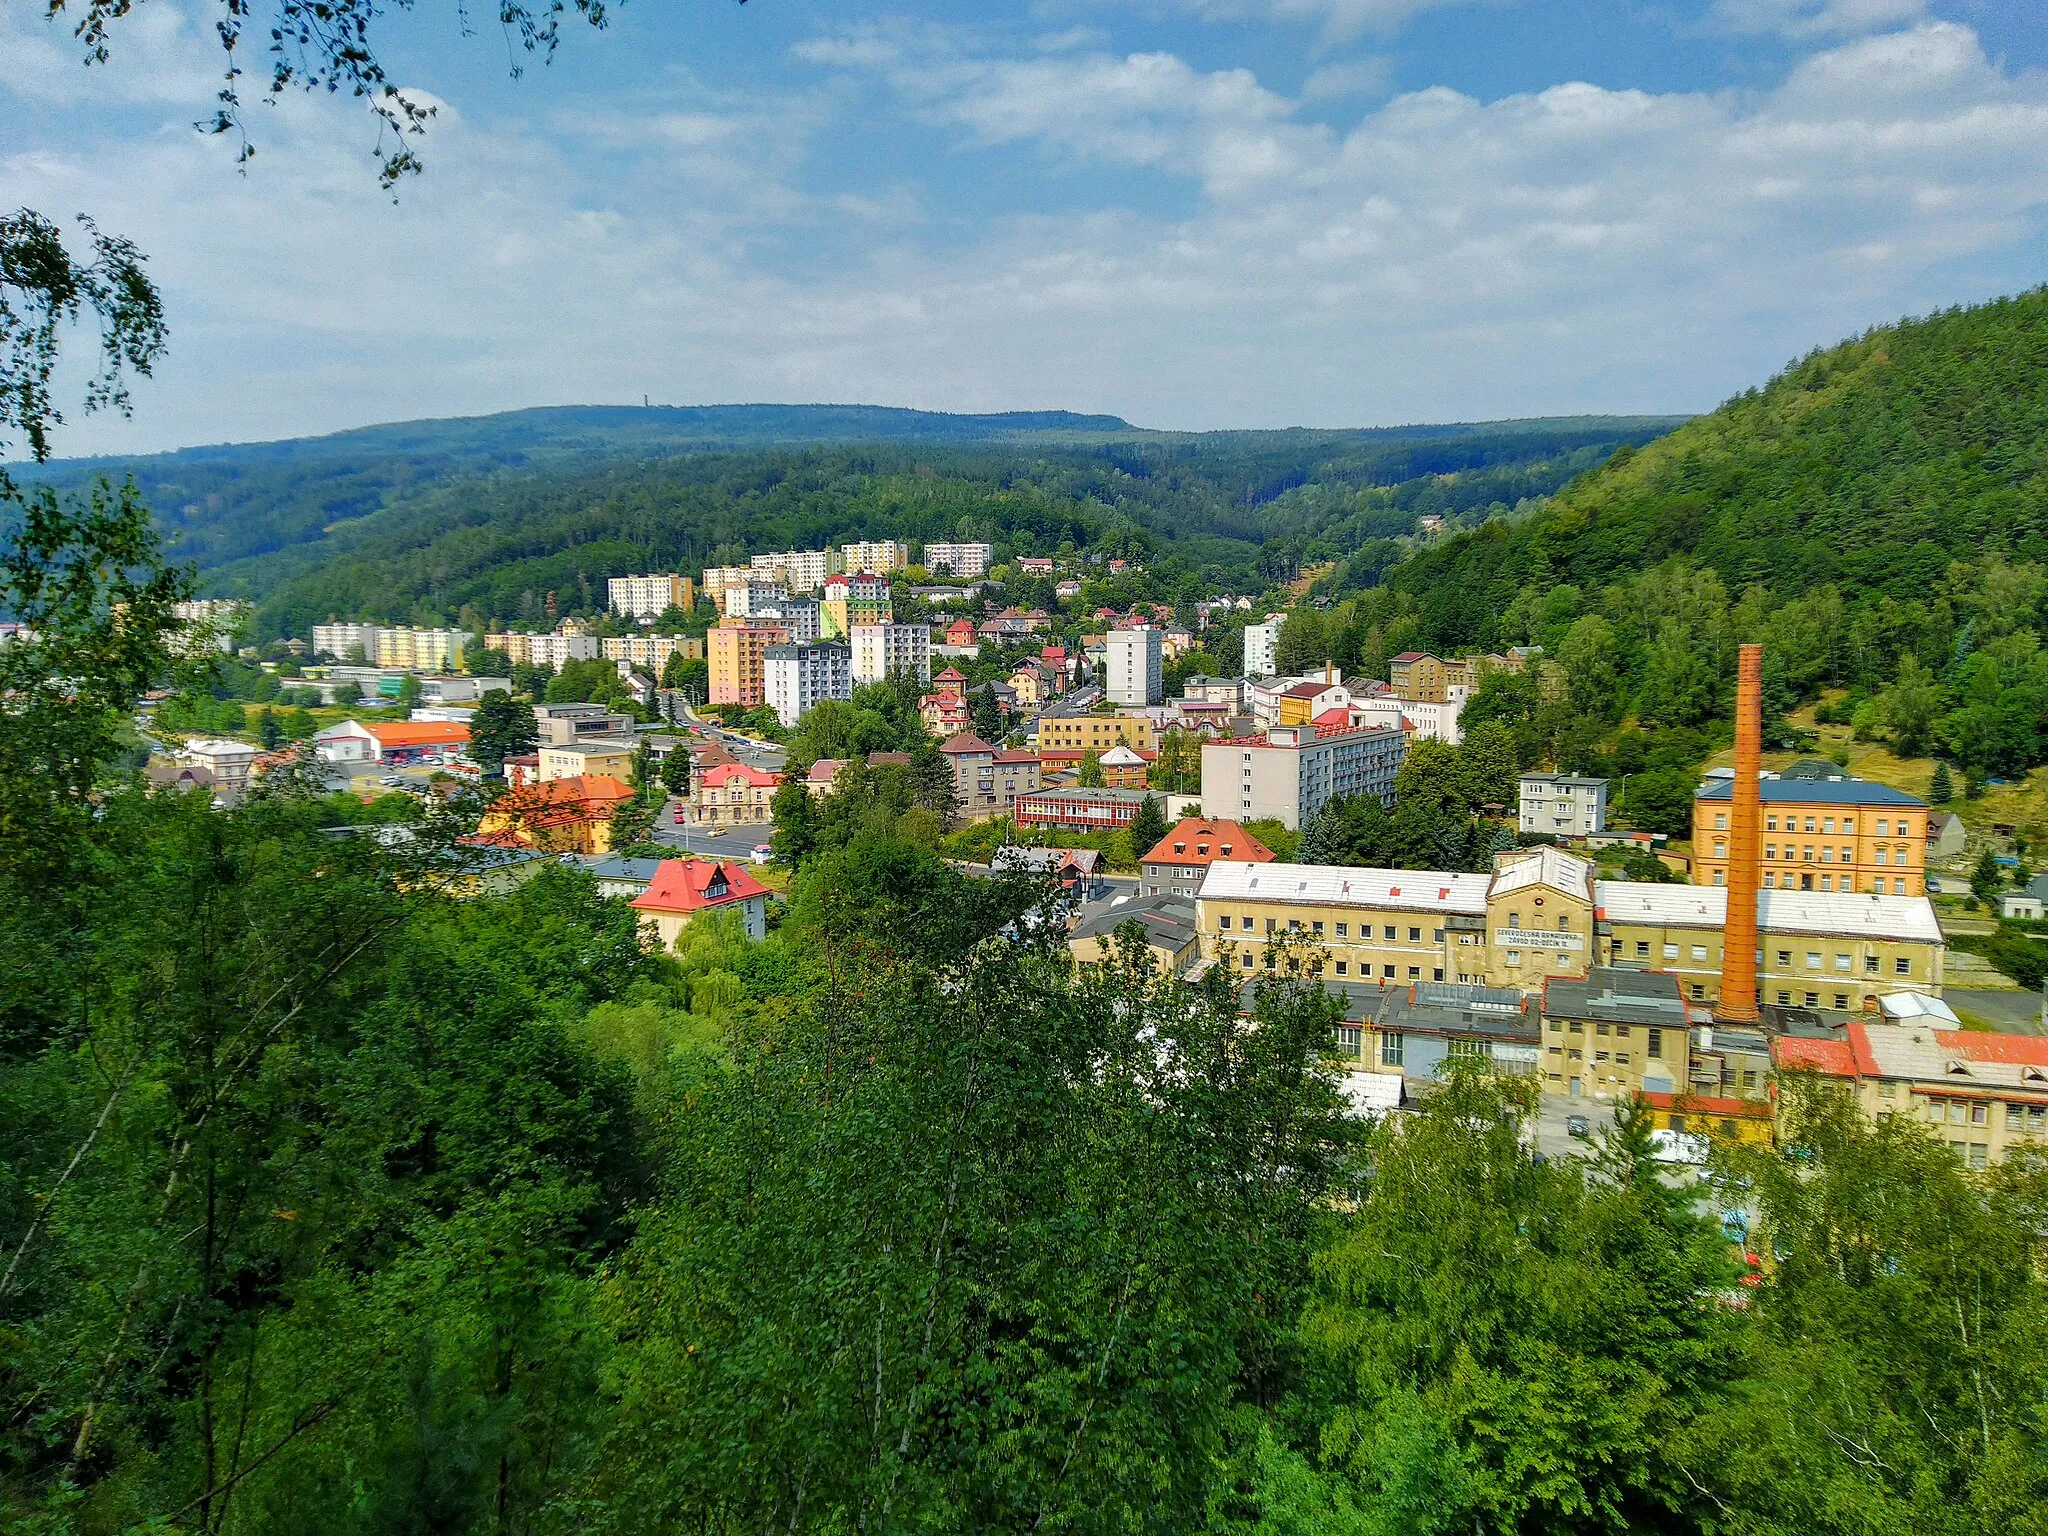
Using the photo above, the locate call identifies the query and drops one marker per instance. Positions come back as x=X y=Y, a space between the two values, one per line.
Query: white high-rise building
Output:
x=958 y=559
x=648 y=597
x=799 y=677
x=548 y=650
x=1136 y=667
x=804 y=570
x=803 y=617
x=880 y=649
x=1262 y=646
x=1294 y=772
x=338 y=640
x=877 y=557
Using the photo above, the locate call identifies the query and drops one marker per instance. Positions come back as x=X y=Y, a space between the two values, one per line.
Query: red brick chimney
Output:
x=1738 y=939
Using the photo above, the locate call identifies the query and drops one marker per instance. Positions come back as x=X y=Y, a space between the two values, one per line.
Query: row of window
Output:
x=1902 y=965
x=1826 y=824
x=2031 y=1118
x=1390 y=933
x=1655 y=1043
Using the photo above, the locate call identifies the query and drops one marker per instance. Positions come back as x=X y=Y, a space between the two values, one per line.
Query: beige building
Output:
x=876 y=557
x=648 y=597
x=986 y=779
x=1291 y=772
x=1984 y=1095
x=1820 y=835
x=421 y=650
x=1075 y=734
x=614 y=759
x=650 y=653
x=543 y=650
x=1542 y=915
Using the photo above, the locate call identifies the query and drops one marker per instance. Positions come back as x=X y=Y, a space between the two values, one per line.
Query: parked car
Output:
x=680 y=815
x=1578 y=1127
x=1678 y=1147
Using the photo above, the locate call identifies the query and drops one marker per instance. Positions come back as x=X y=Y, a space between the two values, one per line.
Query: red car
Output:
x=679 y=815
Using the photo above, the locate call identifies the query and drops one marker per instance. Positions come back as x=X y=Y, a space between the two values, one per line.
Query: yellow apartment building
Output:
x=1820 y=835
x=1096 y=733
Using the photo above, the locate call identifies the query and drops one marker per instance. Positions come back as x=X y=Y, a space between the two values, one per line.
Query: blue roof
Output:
x=626 y=869
x=1815 y=792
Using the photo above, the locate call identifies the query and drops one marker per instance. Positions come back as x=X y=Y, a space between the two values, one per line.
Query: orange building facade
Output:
x=1819 y=835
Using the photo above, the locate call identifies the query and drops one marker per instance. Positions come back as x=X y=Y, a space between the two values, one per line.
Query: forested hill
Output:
x=425 y=520
x=1867 y=468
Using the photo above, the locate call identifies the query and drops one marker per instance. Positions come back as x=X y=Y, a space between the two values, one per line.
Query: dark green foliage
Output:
x=1148 y=826
x=1943 y=789
x=503 y=726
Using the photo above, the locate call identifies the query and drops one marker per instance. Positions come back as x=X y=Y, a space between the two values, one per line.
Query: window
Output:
x=1271 y=925
x=1390 y=1050
x=1415 y=973
x=1699 y=991
x=1389 y=933
x=1621 y=1058
x=1438 y=940
x=1514 y=921
x=1720 y=821
x=1600 y=1029
x=1827 y=824
x=1770 y=823
x=1842 y=1000
x=1812 y=1000
x=1884 y=827
x=1784 y=957
x=1343 y=967
x=1316 y=927
x=1699 y=951
x=1980 y=1154
x=1902 y=966
x=1564 y=923
x=1642 y=949
x=1343 y=930
x=1436 y=973
x=1599 y=1055
x=1223 y=922
x=1813 y=959
x=1848 y=823
x=1784 y=999
x=1512 y=957
x=1979 y=1114
x=1557 y=1026
x=1870 y=965
x=1578 y=1027
x=1387 y=971
x=1350 y=1040
x=1809 y=823
x=1670 y=951
x=1656 y=1045
x=1841 y=961
x=1414 y=935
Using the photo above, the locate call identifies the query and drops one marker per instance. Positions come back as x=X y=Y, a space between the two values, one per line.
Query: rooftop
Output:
x=1841 y=914
x=1816 y=792
x=694 y=885
x=1110 y=796
x=1626 y=997
x=1338 y=886
x=1458 y=1009
x=1198 y=840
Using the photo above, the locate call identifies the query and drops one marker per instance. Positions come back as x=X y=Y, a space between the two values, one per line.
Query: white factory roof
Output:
x=1960 y=1058
x=1333 y=885
x=1840 y=914
x=1544 y=866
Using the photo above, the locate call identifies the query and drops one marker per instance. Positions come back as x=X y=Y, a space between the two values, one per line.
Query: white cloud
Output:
x=1436 y=257
x=1814 y=18
x=1337 y=19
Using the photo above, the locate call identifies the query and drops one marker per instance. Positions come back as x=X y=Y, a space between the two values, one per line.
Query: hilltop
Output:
x=419 y=520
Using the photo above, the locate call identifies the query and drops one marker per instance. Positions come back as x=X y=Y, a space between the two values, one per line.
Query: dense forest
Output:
x=1877 y=516
x=339 y=1195
x=478 y=521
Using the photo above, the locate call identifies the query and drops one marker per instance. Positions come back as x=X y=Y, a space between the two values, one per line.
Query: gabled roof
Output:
x=1198 y=840
x=1421 y=890
x=726 y=773
x=697 y=885
x=825 y=770
x=1841 y=914
x=966 y=744
x=1308 y=690
x=1415 y=656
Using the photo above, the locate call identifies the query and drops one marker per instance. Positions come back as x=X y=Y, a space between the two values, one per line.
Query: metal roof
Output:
x=1839 y=914
x=1816 y=792
x=1627 y=997
x=1332 y=885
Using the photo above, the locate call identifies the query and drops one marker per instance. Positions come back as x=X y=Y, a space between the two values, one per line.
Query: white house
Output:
x=1563 y=804
x=348 y=742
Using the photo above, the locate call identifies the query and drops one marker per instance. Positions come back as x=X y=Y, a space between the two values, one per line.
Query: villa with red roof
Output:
x=1174 y=865
x=683 y=890
x=733 y=795
x=569 y=815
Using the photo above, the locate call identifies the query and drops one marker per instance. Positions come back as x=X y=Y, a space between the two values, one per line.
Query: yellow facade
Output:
x=1797 y=970
x=1096 y=733
x=1833 y=844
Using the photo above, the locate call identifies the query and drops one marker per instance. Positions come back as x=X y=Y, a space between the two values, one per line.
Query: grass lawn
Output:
x=2021 y=804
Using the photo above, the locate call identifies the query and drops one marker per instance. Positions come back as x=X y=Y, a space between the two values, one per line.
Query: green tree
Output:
x=1484 y=1321
x=796 y=823
x=1943 y=789
x=1147 y=827
x=503 y=726
x=1985 y=880
x=268 y=731
x=1489 y=766
x=986 y=715
x=931 y=775
x=1911 y=707
x=1091 y=770
x=675 y=769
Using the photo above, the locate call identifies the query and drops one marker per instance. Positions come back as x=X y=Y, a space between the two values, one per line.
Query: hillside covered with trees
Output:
x=429 y=522
x=1877 y=515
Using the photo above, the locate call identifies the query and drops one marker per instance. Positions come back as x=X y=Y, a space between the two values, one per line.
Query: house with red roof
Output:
x=960 y=632
x=572 y=815
x=1983 y=1094
x=683 y=890
x=732 y=795
x=944 y=713
x=1175 y=865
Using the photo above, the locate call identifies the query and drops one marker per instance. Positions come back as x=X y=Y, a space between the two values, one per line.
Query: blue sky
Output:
x=1192 y=213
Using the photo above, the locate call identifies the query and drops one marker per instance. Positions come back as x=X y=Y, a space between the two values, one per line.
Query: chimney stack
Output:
x=1738 y=938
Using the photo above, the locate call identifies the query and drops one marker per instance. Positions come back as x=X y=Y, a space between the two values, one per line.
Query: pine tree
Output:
x=1322 y=840
x=675 y=770
x=1147 y=827
x=1091 y=770
x=1943 y=789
